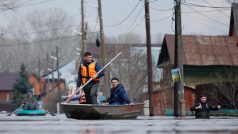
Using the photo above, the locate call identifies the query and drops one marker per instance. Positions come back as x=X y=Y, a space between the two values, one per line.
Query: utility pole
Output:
x=48 y=85
x=39 y=67
x=52 y=70
x=58 y=76
x=53 y=78
x=82 y=30
x=178 y=63
x=106 y=77
x=149 y=57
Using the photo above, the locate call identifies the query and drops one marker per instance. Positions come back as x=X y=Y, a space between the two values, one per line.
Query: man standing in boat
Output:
x=87 y=70
x=118 y=94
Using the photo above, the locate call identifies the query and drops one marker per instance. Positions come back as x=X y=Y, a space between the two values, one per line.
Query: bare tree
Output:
x=38 y=34
x=8 y=5
x=132 y=73
x=57 y=27
x=129 y=38
x=227 y=87
x=223 y=89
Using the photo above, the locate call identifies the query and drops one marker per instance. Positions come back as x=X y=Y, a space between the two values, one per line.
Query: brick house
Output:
x=205 y=57
x=6 y=83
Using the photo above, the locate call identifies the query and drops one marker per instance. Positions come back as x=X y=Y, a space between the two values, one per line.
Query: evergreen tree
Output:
x=21 y=88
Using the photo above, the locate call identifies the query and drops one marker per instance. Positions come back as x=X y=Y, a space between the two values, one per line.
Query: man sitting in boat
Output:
x=30 y=103
x=118 y=94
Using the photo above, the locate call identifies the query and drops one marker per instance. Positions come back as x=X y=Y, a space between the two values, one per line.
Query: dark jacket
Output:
x=30 y=104
x=97 y=68
x=119 y=96
x=204 y=112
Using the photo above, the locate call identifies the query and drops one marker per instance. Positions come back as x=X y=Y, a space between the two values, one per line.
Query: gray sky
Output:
x=209 y=21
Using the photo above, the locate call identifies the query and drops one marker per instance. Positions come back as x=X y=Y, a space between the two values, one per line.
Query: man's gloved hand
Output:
x=95 y=76
x=199 y=107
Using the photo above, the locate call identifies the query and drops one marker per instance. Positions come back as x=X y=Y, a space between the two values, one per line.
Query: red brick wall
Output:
x=5 y=105
x=190 y=97
x=164 y=99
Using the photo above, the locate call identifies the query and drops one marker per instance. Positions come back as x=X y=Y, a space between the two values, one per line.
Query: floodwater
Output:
x=142 y=125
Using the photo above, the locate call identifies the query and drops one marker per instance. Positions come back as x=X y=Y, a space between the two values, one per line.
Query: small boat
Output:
x=22 y=112
x=92 y=111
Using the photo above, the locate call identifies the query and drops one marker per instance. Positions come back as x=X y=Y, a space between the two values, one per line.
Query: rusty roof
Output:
x=7 y=80
x=202 y=50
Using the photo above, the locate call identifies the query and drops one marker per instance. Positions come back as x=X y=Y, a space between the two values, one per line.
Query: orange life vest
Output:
x=88 y=72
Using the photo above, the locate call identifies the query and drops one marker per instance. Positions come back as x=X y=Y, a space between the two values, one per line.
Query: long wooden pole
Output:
x=82 y=30
x=106 y=84
x=178 y=63
x=81 y=87
x=58 y=76
x=149 y=57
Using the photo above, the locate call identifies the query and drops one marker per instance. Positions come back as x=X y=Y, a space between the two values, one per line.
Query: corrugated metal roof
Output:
x=234 y=19
x=204 y=50
x=7 y=80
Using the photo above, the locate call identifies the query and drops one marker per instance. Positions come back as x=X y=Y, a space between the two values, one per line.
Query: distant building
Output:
x=6 y=85
x=205 y=57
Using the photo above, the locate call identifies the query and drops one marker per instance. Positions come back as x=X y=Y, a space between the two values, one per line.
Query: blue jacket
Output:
x=119 y=96
x=97 y=68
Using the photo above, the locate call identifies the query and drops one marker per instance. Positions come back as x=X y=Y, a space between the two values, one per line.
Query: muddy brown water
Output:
x=142 y=125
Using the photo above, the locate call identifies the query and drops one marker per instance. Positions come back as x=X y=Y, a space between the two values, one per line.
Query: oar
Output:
x=81 y=87
x=15 y=110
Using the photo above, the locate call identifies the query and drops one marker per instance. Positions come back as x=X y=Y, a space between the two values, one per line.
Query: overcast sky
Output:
x=195 y=20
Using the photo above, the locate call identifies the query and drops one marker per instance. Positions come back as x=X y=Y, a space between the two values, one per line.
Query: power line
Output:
x=4 y=5
x=132 y=22
x=26 y=33
x=122 y=21
x=46 y=24
x=161 y=19
x=152 y=1
x=25 y=5
x=138 y=24
x=169 y=9
x=204 y=11
x=218 y=11
x=197 y=5
x=218 y=22
x=133 y=28
x=29 y=44
x=198 y=22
